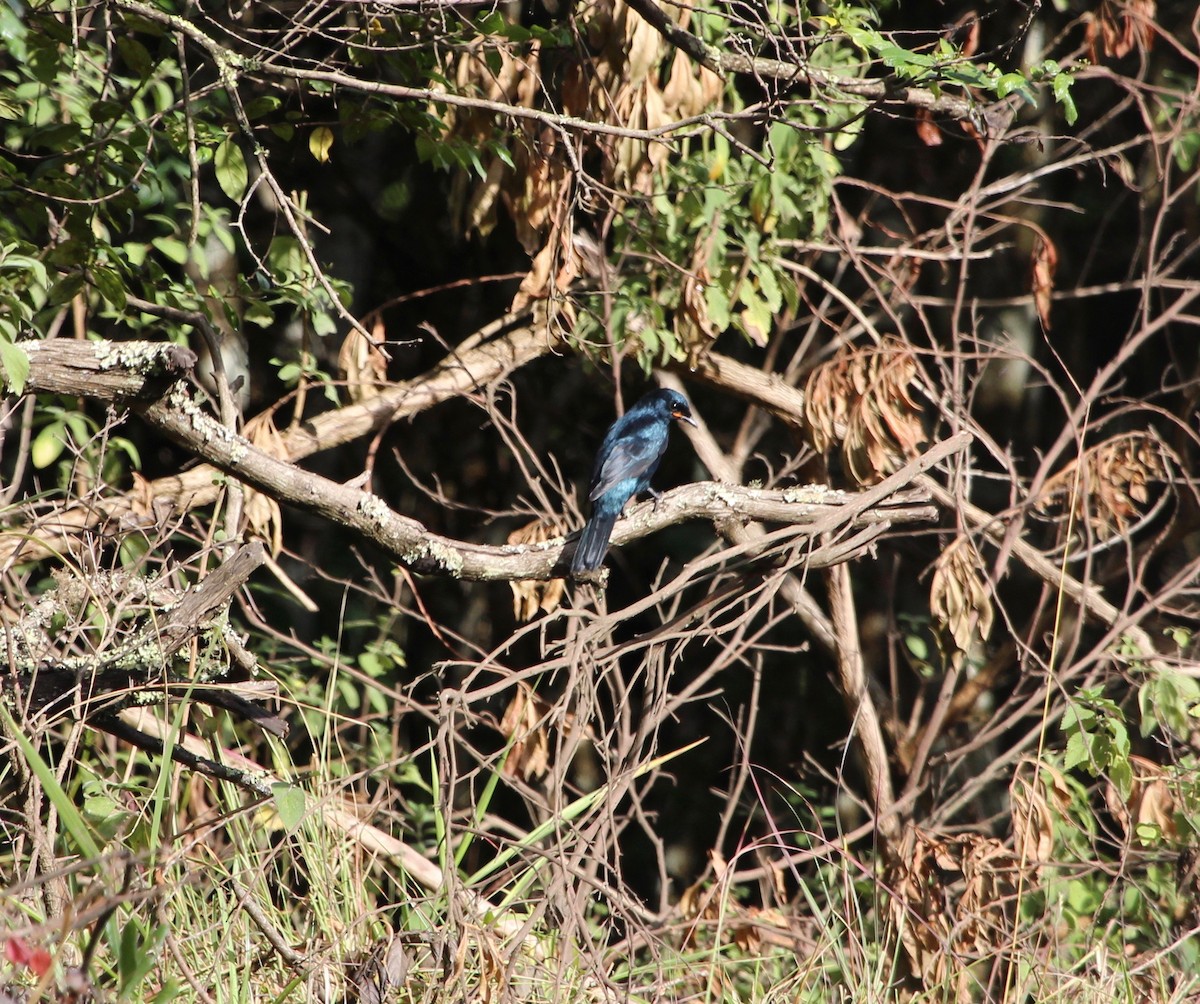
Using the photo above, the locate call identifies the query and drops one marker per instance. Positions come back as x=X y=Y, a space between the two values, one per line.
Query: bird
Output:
x=625 y=463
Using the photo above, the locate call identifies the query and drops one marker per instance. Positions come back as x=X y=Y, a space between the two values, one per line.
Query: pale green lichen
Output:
x=212 y=660
x=813 y=494
x=374 y=508
x=180 y=400
x=137 y=357
x=447 y=557
x=426 y=549
x=552 y=544
x=380 y=514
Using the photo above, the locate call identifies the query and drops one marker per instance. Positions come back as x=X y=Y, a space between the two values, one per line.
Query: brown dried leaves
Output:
x=1147 y=815
x=1114 y=30
x=617 y=83
x=959 y=597
x=530 y=595
x=263 y=514
x=862 y=398
x=952 y=899
x=363 y=363
x=1042 y=269
x=524 y=726
x=709 y=903
x=1037 y=801
x=1111 y=488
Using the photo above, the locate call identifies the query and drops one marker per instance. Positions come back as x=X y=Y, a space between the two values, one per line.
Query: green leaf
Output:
x=1148 y=834
x=15 y=363
x=64 y=290
x=757 y=319
x=768 y=285
x=917 y=646
x=259 y=314
x=48 y=445
x=1079 y=750
x=504 y=156
x=232 y=175
x=717 y=302
x=1121 y=775
x=173 y=248
x=1062 y=94
x=320 y=142
x=106 y=111
x=135 y=55
x=136 y=954
x=110 y=286
x=1010 y=82
x=289 y=803
x=260 y=106
x=29 y=263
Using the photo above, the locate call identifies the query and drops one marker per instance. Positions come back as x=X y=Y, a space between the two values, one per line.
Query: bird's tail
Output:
x=593 y=542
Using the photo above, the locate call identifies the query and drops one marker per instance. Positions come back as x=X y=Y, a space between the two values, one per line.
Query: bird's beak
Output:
x=685 y=418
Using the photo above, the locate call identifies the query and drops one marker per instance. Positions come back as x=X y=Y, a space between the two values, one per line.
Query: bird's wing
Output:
x=631 y=456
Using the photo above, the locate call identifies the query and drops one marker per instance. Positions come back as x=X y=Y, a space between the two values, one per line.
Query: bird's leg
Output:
x=654 y=495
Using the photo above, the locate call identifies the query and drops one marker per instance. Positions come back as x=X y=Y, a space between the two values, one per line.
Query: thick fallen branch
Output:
x=46 y=682
x=107 y=371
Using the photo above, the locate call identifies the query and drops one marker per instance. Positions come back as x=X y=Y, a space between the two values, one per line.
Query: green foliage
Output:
x=1170 y=701
x=1097 y=737
x=724 y=212
x=232 y=174
x=105 y=150
x=23 y=282
x=945 y=65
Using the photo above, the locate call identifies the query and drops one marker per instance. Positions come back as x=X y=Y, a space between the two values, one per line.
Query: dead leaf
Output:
x=616 y=82
x=965 y=33
x=384 y=970
x=863 y=398
x=928 y=131
x=1114 y=30
x=1147 y=815
x=959 y=598
x=951 y=902
x=1039 y=795
x=363 y=363
x=524 y=726
x=263 y=515
x=1113 y=489
x=1044 y=265
x=532 y=595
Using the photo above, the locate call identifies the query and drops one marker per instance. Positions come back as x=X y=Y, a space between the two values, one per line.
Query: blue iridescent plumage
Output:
x=625 y=463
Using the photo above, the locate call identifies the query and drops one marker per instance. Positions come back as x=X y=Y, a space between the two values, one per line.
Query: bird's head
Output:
x=675 y=405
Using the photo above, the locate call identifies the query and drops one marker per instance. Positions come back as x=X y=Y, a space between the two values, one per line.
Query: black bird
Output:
x=628 y=458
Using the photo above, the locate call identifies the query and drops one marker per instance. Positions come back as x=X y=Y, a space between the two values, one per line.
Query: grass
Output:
x=166 y=885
